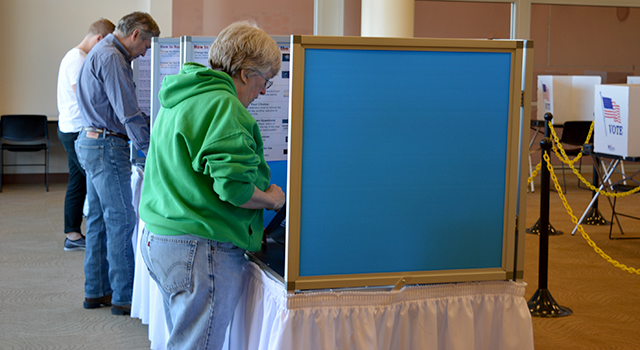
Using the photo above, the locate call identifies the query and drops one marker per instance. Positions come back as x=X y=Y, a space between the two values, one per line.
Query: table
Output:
x=609 y=164
x=472 y=315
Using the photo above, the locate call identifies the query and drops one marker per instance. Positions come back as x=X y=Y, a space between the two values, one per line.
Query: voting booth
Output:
x=633 y=80
x=380 y=137
x=567 y=97
x=382 y=133
x=617 y=120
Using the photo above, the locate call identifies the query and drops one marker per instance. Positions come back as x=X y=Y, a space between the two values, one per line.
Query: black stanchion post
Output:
x=542 y=303
x=535 y=229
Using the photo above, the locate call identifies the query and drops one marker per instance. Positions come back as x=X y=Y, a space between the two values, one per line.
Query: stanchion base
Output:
x=595 y=218
x=535 y=229
x=542 y=304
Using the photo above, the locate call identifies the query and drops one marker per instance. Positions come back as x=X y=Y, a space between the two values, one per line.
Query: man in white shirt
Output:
x=69 y=125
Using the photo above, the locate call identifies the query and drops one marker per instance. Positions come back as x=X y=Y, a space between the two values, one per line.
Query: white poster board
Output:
x=271 y=110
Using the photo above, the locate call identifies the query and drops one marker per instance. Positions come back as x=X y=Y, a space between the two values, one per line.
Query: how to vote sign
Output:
x=617 y=119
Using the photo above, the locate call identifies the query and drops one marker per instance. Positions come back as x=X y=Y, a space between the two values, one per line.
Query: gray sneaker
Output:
x=78 y=244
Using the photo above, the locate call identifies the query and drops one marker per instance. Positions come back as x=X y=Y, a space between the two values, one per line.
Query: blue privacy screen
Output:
x=403 y=160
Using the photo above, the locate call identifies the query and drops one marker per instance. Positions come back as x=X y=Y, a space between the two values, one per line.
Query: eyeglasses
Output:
x=267 y=83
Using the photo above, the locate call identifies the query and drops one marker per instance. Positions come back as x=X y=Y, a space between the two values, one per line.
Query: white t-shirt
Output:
x=69 y=119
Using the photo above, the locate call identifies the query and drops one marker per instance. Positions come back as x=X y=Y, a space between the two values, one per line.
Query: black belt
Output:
x=106 y=132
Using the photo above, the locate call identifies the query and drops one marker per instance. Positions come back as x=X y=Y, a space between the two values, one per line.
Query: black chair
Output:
x=574 y=133
x=24 y=133
x=616 y=214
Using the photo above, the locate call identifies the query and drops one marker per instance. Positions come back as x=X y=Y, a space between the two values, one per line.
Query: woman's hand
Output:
x=271 y=199
x=278 y=196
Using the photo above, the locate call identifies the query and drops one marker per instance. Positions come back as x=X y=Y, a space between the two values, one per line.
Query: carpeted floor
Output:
x=603 y=297
x=41 y=286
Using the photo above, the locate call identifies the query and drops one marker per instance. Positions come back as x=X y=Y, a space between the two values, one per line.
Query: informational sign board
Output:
x=142 y=78
x=271 y=110
x=617 y=120
x=382 y=137
x=196 y=49
x=165 y=60
x=566 y=97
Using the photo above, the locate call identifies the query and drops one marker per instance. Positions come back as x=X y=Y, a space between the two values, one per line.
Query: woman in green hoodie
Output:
x=206 y=184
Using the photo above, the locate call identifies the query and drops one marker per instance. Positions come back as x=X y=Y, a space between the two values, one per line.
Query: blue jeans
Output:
x=108 y=257
x=200 y=281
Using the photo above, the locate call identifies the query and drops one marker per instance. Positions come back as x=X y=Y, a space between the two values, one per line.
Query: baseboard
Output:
x=34 y=178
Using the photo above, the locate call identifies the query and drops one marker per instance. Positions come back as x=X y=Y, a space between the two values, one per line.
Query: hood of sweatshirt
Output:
x=192 y=80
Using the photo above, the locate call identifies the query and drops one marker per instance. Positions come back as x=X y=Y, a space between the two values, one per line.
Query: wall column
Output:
x=328 y=17
x=521 y=19
x=388 y=18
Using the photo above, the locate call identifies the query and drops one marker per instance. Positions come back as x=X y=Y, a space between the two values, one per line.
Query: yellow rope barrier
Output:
x=574 y=219
x=535 y=173
x=565 y=159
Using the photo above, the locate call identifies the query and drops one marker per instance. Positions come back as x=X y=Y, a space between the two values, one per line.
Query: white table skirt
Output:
x=146 y=303
x=486 y=315
x=483 y=315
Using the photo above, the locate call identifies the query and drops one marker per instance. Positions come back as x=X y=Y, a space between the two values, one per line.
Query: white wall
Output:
x=35 y=35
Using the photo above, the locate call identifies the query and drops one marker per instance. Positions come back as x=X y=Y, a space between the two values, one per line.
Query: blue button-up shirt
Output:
x=107 y=94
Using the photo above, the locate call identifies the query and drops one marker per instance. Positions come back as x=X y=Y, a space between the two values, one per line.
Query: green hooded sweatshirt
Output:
x=205 y=156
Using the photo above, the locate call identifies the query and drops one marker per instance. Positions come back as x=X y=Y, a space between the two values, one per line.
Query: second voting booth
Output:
x=403 y=171
x=615 y=126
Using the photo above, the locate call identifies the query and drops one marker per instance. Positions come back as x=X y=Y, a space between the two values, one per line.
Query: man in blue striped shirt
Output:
x=110 y=118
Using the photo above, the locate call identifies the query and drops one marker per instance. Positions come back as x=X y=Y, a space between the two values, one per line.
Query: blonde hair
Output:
x=102 y=26
x=243 y=45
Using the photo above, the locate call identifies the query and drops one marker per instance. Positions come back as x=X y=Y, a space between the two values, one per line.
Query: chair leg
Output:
x=1 y=168
x=580 y=171
x=564 y=180
x=46 y=169
x=614 y=216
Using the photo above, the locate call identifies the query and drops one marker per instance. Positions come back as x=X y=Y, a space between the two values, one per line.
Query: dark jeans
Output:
x=77 y=186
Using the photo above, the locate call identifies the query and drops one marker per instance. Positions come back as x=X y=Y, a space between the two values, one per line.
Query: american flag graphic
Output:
x=611 y=109
x=545 y=93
